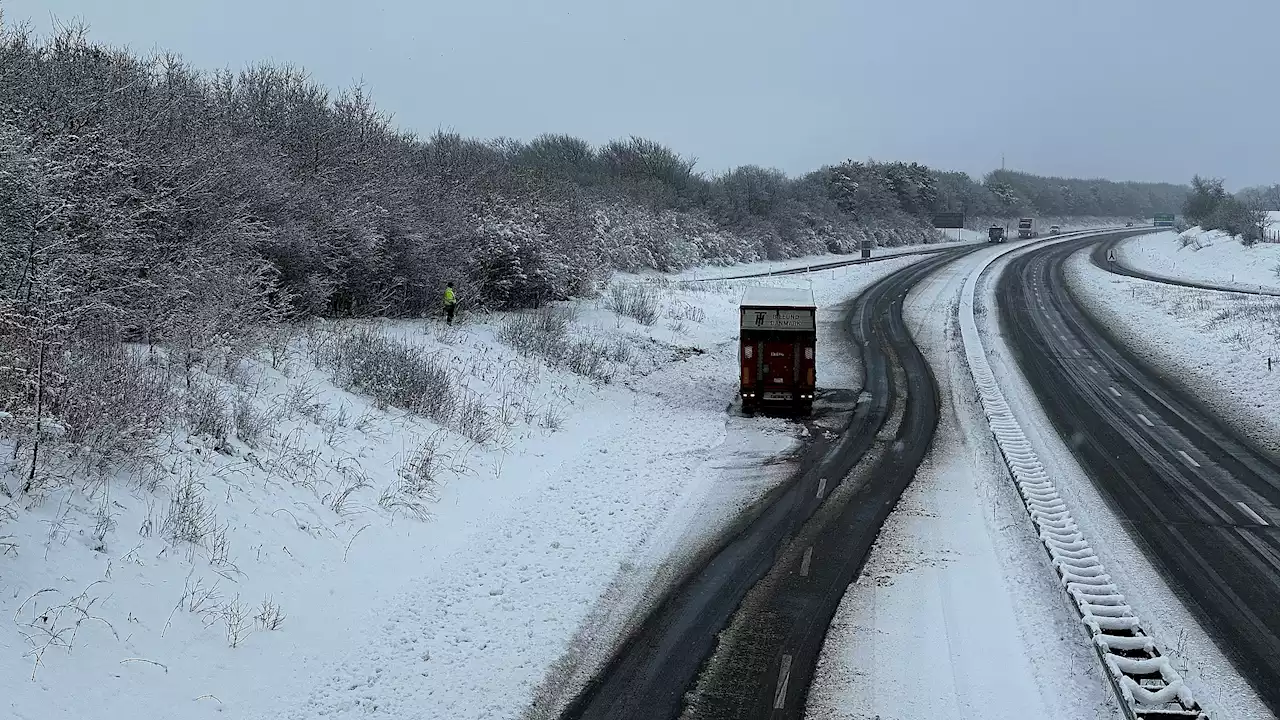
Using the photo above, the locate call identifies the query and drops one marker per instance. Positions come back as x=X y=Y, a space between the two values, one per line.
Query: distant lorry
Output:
x=778 y=333
x=1027 y=228
x=995 y=234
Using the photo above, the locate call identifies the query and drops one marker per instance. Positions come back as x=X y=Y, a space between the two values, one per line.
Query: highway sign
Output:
x=1111 y=255
x=948 y=220
x=1163 y=220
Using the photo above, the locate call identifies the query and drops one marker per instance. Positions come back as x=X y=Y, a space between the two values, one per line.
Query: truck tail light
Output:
x=808 y=353
x=747 y=351
x=746 y=377
x=811 y=377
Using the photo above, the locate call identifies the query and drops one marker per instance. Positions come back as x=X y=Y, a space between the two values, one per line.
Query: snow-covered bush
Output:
x=638 y=301
x=393 y=371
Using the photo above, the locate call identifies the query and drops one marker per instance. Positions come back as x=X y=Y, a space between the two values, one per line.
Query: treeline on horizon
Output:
x=156 y=174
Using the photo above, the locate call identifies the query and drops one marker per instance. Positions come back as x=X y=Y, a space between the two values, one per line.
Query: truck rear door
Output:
x=779 y=370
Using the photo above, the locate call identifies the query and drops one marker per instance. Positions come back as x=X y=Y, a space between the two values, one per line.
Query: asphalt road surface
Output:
x=1200 y=499
x=792 y=563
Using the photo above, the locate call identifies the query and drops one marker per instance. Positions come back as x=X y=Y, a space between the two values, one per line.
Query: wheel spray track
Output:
x=789 y=612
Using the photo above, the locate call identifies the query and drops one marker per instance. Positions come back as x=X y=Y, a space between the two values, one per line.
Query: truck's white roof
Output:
x=778 y=297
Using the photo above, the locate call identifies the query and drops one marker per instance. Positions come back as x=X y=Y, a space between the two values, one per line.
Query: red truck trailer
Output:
x=778 y=332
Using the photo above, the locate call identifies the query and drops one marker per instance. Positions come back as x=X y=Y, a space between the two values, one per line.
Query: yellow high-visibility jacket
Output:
x=448 y=296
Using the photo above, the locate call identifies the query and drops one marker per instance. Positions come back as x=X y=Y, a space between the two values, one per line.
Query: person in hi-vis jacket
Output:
x=450 y=303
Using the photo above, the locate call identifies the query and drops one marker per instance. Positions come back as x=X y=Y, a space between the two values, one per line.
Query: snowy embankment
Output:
x=1212 y=257
x=957 y=612
x=297 y=546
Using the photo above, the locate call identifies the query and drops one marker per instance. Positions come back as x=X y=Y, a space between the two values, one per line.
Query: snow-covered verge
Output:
x=1207 y=256
x=298 y=545
x=1193 y=653
x=957 y=613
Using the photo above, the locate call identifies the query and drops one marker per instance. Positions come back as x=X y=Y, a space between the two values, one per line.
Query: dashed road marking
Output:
x=804 y=564
x=1190 y=461
x=1077 y=352
x=1113 y=391
x=822 y=487
x=784 y=677
x=1093 y=370
x=1145 y=421
x=1249 y=511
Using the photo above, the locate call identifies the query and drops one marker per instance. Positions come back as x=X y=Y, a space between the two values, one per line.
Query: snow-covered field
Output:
x=957 y=612
x=326 y=555
x=1204 y=256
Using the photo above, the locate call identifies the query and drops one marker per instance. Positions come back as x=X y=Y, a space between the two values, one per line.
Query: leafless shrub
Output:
x=638 y=301
x=588 y=358
x=278 y=341
x=474 y=420
x=251 y=423
x=446 y=334
x=189 y=518
x=236 y=621
x=415 y=486
x=545 y=333
x=55 y=626
x=539 y=333
x=220 y=547
x=353 y=480
x=269 y=616
x=677 y=327
x=206 y=411
x=681 y=310
x=393 y=372
x=103 y=524
x=552 y=419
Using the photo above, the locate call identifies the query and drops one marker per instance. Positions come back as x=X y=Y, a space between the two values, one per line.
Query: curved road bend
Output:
x=1099 y=258
x=1201 y=500
x=648 y=677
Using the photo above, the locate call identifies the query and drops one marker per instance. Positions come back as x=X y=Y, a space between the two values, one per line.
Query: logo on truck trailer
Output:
x=778 y=319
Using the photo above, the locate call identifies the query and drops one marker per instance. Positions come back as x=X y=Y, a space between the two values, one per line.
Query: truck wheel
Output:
x=748 y=407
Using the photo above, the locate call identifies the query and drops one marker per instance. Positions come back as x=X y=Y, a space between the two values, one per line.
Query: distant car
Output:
x=1129 y=224
x=1055 y=230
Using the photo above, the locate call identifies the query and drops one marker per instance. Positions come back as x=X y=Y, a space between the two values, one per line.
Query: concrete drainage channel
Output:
x=1144 y=681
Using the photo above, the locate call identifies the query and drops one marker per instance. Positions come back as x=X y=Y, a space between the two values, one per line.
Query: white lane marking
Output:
x=1249 y=511
x=1188 y=458
x=1077 y=352
x=1114 y=391
x=804 y=564
x=1093 y=370
x=1145 y=421
x=784 y=677
x=822 y=487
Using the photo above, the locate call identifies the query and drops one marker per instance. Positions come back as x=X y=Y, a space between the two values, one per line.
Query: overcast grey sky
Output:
x=1127 y=89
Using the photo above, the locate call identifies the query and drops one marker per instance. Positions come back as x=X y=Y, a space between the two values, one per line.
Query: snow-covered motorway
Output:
x=1199 y=497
